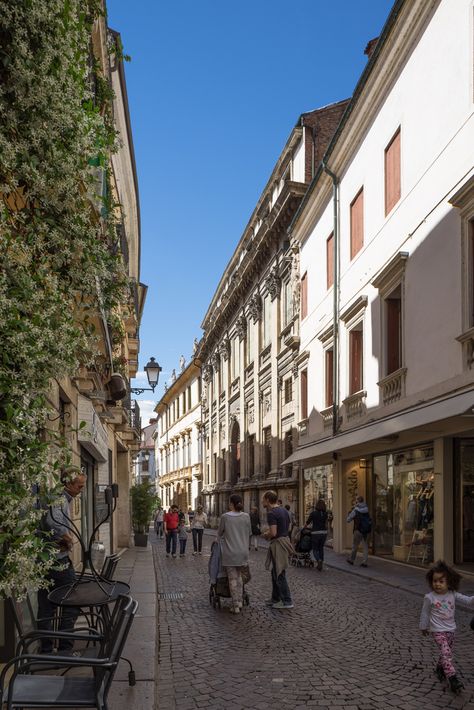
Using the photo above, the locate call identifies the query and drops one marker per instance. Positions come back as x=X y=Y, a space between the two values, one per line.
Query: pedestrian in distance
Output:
x=182 y=537
x=190 y=516
x=255 y=526
x=318 y=521
x=197 y=529
x=279 y=551
x=362 y=528
x=160 y=514
x=233 y=535
x=57 y=524
x=170 y=524
x=437 y=618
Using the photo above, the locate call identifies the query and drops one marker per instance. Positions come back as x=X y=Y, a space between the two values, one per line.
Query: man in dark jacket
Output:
x=362 y=525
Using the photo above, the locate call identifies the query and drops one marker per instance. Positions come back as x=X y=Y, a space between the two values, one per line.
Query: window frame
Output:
x=354 y=249
x=398 y=191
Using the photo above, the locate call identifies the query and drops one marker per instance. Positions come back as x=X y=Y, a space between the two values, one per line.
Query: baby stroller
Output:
x=219 y=584
x=303 y=546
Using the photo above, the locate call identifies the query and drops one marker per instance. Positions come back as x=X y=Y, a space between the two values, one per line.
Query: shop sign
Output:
x=93 y=436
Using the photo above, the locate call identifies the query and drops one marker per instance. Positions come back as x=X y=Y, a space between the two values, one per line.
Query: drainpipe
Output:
x=335 y=315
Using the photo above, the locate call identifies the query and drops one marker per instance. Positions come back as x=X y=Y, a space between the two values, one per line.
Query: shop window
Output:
x=304 y=295
x=267 y=450
x=356 y=359
x=464 y=501
x=328 y=374
x=304 y=394
x=288 y=390
x=357 y=223
x=392 y=173
x=330 y=261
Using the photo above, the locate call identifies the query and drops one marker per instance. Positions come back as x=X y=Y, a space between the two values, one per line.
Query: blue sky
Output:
x=215 y=88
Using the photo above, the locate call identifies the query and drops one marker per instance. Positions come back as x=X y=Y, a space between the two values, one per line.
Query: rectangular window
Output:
x=329 y=366
x=223 y=465
x=304 y=295
x=189 y=398
x=144 y=464
x=250 y=342
x=267 y=321
x=250 y=455
x=267 y=450
x=177 y=408
x=356 y=359
x=393 y=305
x=304 y=394
x=287 y=304
x=235 y=364
x=330 y=261
x=357 y=223
x=288 y=444
x=392 y=173
x=288 y=390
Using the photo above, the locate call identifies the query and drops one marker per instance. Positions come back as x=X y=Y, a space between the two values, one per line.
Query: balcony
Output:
x=393 y=386
x=355 y=405
x=327 y=416
x=135 y=419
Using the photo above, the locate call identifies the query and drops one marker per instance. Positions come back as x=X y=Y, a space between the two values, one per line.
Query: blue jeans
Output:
x=171 y=540
x=318 y=540
x=46 y=610
x=280 y=588
x=182 y=546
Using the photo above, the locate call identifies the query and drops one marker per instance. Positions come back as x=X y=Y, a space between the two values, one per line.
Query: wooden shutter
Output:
x=357 y=223
x=393 y=334
x=330 y=261
x=329 y=357
x=355 y=348
x=304 y=394
x=304 y=295
x=392 y=173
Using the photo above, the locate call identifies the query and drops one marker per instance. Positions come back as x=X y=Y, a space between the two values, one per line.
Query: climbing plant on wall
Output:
x=58 y=255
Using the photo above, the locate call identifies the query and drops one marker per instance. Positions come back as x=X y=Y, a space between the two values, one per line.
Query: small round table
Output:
x=88 y=593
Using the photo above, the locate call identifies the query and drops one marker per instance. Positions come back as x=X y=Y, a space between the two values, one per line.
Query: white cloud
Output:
x=146 y=410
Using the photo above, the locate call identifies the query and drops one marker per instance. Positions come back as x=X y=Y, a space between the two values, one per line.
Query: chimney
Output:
x=371 y=44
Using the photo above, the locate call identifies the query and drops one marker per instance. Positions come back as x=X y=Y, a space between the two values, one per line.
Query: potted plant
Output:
x=144 y=502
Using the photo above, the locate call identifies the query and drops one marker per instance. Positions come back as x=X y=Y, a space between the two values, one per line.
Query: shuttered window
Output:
x=355 y=360
x=357 y=223
x=329 y=363
x=304 y=394
x=304 y=295
x=392 y=173
x=330 y=261
x=394 y=333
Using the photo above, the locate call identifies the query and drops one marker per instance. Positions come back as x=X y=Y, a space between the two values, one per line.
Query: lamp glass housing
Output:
x=152 y=369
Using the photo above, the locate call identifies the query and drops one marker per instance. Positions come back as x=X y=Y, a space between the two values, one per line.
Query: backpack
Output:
x=363 y=523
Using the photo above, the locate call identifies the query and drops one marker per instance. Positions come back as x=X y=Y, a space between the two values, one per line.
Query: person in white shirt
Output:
x=437 y=618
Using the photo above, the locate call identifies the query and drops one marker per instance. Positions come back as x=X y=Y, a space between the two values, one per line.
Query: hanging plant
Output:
x=54 y=251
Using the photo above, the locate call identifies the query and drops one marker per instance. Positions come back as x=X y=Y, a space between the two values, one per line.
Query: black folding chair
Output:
x=26 y=690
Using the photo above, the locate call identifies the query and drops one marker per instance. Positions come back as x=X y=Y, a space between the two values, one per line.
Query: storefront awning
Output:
x=415 y=418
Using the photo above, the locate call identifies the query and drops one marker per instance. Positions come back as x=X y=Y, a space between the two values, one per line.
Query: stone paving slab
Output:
x=349 y=642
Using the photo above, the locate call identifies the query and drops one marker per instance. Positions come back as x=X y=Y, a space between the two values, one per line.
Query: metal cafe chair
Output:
x=62 y=691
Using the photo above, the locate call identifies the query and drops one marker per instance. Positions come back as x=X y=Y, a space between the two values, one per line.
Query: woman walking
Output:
x=233 y=535
x=198 y=524
x=318 y=520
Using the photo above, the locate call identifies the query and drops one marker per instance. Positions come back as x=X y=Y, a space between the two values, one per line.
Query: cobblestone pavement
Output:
x=348 y=643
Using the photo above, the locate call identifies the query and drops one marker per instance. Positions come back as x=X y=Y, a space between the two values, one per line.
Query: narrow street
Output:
x=348 y=643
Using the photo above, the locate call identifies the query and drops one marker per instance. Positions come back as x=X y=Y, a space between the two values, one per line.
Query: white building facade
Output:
x=178 y=441
x=386 y=237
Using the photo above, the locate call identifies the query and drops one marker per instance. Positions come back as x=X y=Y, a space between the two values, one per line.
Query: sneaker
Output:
x=282 y=605
x=181 y=555
x=363 y=564
x=439 y=673
x=174 y=555
x=270 y=602
x=319 y=565
x=455 y=684
x=167 y=554
x=199 y=553
x=234 y=610
x=194 y=553
x=349 y=562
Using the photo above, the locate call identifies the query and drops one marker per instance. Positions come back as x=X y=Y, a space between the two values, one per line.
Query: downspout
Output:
x=335 y=315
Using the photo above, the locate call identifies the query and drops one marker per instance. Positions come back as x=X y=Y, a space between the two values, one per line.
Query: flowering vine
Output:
x=55 y=124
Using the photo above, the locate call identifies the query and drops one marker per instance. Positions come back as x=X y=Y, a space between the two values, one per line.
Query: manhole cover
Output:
x=170 y=596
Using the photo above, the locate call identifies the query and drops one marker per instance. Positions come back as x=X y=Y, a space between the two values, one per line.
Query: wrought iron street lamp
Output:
x=152 y=369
